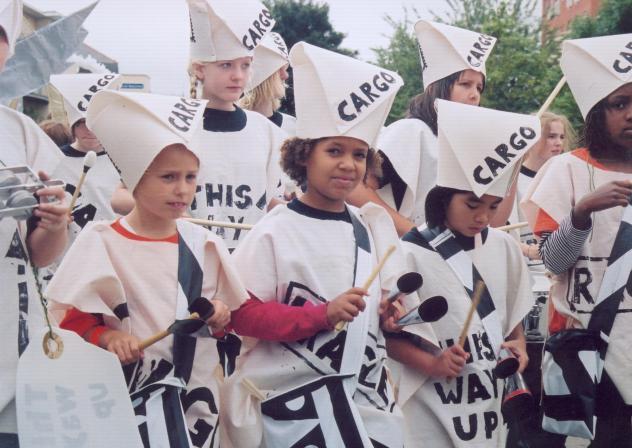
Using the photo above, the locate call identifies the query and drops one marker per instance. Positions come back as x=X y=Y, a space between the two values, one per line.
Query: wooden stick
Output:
x=478 y=292
x=75 y=195
x=509 y=227
x=88 y=162
x=552 y=96
x=254 y=390
x=163 y=334
x=230 y=225
x=367 y=284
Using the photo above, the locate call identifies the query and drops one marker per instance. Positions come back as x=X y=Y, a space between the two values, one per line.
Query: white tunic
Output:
x=22 y=143
x=239 y=175
x=310 y=256
x=288 y=124
x=560 y=183
x=464 y=412
x=412 y=149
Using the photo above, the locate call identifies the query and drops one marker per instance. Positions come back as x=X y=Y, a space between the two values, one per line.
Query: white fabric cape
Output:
x=288 y=125
x=466 y=411
x=412 y=149
x=23 y=143
x=239 y=175
x=559 y=184
x=142 y=278
x=290 y=256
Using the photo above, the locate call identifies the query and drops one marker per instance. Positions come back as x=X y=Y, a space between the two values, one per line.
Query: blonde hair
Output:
x=272 y=90
x=570 y=137
x=194 y=82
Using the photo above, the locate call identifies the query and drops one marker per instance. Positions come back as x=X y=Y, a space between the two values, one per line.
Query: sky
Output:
x=151 y=36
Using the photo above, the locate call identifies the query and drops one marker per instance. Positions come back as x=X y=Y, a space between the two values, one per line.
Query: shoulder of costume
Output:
x=17 y=117
x=256 y=119
x=407 y=125
x=413 y=236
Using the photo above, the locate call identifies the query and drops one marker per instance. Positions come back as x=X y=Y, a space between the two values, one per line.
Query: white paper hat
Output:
x=223 y=30
x=78 y=90
x=446 y=49
x=135 y=127
x=270 y=56
x=596 y=67
x=11 y=21
x=479 y=147
x=337 y=95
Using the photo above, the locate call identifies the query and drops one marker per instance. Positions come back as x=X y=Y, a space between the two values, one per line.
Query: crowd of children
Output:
x=302 y=341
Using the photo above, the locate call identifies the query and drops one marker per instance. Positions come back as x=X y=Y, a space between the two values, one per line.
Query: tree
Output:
x=304 y=20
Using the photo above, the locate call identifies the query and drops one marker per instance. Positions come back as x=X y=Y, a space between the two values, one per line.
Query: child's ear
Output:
x=198 y=70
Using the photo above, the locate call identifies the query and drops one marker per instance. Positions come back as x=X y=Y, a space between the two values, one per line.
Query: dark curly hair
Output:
x=296 y=151
x=422 y=105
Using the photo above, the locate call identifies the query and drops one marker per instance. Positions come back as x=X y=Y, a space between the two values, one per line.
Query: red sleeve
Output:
x=81 y=323
x=274 y=321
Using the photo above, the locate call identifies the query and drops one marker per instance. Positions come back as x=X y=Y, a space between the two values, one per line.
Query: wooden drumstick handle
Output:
x=367 y=284
x=163 y=334
x=478 y=292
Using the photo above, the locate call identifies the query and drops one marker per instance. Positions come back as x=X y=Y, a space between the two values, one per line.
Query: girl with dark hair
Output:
x=449 y=391
x=578 y=207
x=453 y=69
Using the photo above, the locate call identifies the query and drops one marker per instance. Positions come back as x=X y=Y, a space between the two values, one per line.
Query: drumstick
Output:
x=88 y=162
x=551 y=97
x=367 y=284
x=509 y=227
x=254 y=390
x=231 y=225
x=163 y=334
x=478 y=292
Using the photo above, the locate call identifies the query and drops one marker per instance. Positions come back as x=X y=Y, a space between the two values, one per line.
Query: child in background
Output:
x=312 y=256
x=123 y=281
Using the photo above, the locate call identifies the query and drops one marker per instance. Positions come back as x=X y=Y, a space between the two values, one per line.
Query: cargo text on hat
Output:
x=183 y=112
x=627 y=56
x=380 y=81
x=502 y=151
x=476 y=56
x=99 y=85
x=261 y=26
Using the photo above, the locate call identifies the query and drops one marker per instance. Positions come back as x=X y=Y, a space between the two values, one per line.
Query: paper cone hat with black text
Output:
x=479 y=147
x=11 y=21
x=223 y=30
x=446 y=49
x=270 y=55
x=337 y=95
x=596 y=67
x=135 y=127
x=78 y=90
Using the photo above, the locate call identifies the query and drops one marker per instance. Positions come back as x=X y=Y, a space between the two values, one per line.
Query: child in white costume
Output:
x=453 y=68
x=93 y=204
x=239 y=171
x=267 y=86
x=23 y=244
x=306 y=255
x=123 y=281
x=576 y=206
x=450 y=396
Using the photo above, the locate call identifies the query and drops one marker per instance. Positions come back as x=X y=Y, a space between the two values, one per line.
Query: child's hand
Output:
x=346 y=306
x=52 y=216
x=220 y=318
x=122 y=344
x=517 y=347
x=450 y=362
x=611 y=194
x=389 y=314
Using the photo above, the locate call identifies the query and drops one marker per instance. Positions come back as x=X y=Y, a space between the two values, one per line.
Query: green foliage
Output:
x=304 y=20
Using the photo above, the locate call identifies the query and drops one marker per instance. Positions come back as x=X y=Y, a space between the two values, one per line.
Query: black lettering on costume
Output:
x=84 y=215
x=583 y=278
x=242 y=193
x=381 y=86
x=492 y=379
x=491 y=423
x=183 y=118
x=494 y=165
x=229 y=195
x=387 y=77
x=254 y=36
x=101 y=82
x=342 y=114
x=478 y=346
x=365 y=370
x=257 y=26
x=201 y=428
x=452 y=396
x=503 y=151
x=333 y=349
x=246 y=44
x=479 y=178
x=261 y=203
x=237 y=231
x=358 y=102
x=489 y=353
x=212 y=196
x=461 y=432
x=366 y=89
x=475 y=389
x=627 y=56
x=382 y=385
